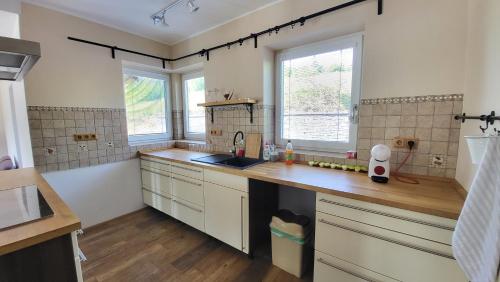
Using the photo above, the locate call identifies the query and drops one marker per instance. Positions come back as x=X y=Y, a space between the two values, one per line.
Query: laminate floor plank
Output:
x=148 y=245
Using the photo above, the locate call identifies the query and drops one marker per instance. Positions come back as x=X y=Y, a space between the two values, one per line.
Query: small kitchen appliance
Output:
x=379 y=167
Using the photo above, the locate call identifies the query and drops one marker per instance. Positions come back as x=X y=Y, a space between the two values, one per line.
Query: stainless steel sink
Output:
x=229 y=161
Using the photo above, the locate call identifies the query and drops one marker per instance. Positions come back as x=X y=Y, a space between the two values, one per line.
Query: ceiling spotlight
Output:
x=192 y=6
x=159 y=17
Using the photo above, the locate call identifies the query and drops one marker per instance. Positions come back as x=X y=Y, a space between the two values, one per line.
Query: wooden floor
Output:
x=150 y=246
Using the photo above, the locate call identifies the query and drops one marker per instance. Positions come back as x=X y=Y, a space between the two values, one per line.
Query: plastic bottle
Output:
x=266 y=155
x=289 y=153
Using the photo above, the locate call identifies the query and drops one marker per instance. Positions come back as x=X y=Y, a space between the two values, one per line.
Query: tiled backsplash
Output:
x=54 y=147
x=427 y=118
x=230 y=119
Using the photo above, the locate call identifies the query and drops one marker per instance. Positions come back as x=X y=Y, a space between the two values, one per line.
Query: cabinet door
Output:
x=158 y=183
x=226 y=215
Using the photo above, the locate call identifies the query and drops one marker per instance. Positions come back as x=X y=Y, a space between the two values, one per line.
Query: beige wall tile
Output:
x=423 y=133
x=409 y=109
x=394 y=109
x=379 y=109
x=440 y=134
x=425 y=108
x=443 y=108
x=379 y=121
x=393 y=121
x=441 y=121
x=424 y=121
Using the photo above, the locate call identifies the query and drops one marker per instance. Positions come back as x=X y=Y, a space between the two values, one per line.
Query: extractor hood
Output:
x=17 y=57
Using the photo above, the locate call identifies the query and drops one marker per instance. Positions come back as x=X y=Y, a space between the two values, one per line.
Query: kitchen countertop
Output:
x=435 y=196
x=63 y=221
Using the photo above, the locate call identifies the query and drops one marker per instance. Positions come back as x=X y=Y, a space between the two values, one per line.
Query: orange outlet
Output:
x=85 y=137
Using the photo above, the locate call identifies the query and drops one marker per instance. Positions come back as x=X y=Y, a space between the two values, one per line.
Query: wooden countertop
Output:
x=62 y=222
x=435 y=196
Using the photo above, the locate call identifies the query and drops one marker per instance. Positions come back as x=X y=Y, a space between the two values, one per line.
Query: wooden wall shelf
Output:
x=245 y=101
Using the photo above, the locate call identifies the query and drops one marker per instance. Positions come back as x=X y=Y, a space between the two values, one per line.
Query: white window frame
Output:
x=187 y=134
x=353 y=40
x=157 y=137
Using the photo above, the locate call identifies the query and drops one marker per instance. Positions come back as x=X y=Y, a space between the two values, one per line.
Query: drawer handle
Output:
x=155 y=162
x=157 y=172
x=393 y=241
x=241 y=217
x=187 y=206
x=389 y=215
x=186 y=181
x=166 y=197
x=185 y=168
x=360 y=276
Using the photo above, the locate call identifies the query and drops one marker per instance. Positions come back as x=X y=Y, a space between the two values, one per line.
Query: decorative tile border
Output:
x=413 y=99
x=74 y=109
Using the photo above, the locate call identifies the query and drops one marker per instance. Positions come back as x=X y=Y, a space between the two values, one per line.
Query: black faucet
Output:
x=234 y=141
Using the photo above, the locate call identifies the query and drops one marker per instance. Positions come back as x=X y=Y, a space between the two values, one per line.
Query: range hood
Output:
x=17 y=57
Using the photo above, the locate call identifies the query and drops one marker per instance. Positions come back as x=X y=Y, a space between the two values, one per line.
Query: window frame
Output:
x=187 y=134
x=154 y=137
x=354 y=40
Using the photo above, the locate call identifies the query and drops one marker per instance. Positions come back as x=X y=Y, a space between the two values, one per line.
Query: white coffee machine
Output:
x=379 y=167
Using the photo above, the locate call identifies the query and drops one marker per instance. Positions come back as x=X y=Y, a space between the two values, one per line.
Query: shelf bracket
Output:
x=210 y=110
x=249 y=108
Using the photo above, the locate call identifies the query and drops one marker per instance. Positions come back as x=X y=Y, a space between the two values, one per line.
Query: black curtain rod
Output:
x=253 y=36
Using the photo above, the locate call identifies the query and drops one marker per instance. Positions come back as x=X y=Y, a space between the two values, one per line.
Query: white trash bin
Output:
x=290 y=234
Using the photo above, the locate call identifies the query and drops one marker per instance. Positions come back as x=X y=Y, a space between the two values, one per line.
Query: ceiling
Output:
x=134 y=16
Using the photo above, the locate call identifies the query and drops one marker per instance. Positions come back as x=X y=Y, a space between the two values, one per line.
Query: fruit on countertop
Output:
x=356 y=168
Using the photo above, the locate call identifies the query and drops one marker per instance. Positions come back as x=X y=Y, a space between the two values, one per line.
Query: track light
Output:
x=192 y=6
x=159 y=17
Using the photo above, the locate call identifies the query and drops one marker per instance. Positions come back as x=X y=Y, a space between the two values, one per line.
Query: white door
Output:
x=226 y=215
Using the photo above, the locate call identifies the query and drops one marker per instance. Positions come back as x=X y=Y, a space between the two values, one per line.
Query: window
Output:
x=147 y=105
x=193 y=88
x=318 y=91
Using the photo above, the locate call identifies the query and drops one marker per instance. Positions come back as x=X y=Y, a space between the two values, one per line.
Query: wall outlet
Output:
x=402 y=142
x=110 y=145
x=438 y=161
x=50 y=151
x=85 y=137
x=83 y=148
x=216 y=132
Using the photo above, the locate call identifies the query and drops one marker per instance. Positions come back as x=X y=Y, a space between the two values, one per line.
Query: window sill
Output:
x=188 y=141
x=149 y=142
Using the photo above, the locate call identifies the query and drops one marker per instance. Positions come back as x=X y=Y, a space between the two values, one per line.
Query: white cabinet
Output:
x=398 y=244
x=328 y=268
x=188 y=189
x=189 y=213
x=158 y=183
x=159 y=202
x=226 y=215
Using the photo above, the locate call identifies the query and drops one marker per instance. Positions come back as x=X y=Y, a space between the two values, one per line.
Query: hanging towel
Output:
x=476 y=240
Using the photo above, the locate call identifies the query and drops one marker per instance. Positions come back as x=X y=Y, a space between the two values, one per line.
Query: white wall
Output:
x=414 y=48
x=482 y=83
x=72 y=74
x=99 y=193
x=76 y=74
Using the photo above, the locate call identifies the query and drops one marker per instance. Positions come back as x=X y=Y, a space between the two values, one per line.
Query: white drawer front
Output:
x=157 y=164
x=408 y=222
x=188 y=189
x=384 y=251
x=158 y=183
x=163 y=204
x=328 y=269
x=189 y=213
x=187 y=170
x=226 y=180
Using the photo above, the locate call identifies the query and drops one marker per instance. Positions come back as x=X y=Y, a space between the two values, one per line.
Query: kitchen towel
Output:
x=476 y=240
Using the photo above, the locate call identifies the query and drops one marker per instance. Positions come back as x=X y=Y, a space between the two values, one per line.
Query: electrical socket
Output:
x=83 y=148
x=50 y=151
x=110 y=145
x=216 y=132
x=402 y=142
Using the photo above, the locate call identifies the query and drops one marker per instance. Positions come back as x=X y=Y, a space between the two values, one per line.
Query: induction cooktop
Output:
x=21 y=205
